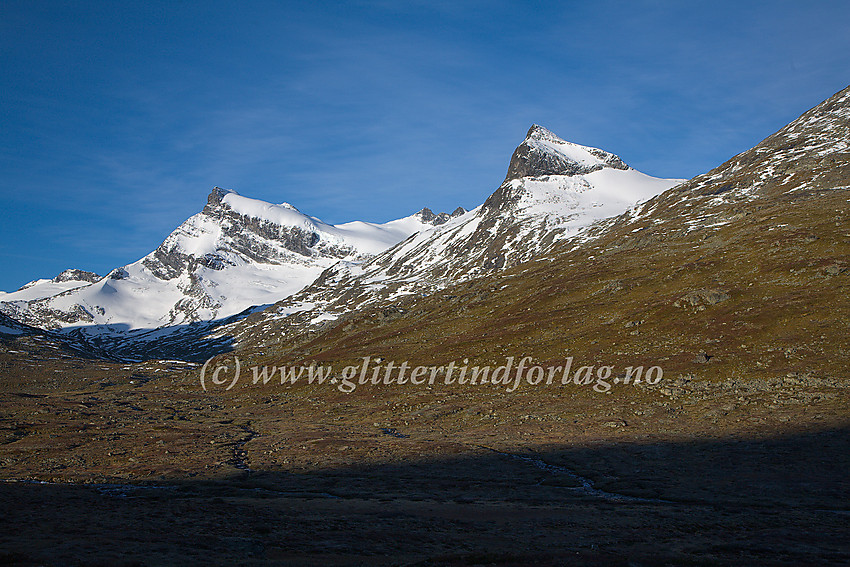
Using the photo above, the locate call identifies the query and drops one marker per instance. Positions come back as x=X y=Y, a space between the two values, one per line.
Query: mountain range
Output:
x=239 y=255
x=236 y=255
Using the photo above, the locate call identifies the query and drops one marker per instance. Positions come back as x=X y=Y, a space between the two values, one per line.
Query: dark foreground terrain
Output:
x=475 y=509
x=136 y=465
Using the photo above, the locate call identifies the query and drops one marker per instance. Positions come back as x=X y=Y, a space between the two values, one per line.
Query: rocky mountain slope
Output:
x=736 y=280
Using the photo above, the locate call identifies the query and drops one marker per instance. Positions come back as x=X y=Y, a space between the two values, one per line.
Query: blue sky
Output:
x=117 y=120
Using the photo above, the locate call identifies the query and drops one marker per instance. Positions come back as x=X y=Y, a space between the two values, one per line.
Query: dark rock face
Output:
x=10 y=323
x=535 y=157
x=426 y=215
x=77 y=275
x=527 y=161
x=216 y=195
x=165 y=263
x=243 y=231
x=247 y=236
x=530 y=159
x=495 y=263
x=213 y=261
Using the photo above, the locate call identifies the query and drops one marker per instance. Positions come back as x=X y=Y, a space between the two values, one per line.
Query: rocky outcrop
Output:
x=538 y=156
x=77 y=275
x=427 y=216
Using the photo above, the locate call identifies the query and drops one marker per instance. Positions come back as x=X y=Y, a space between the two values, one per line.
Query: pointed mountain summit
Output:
x=544 y=153
x=216 y=195
x=544 y=159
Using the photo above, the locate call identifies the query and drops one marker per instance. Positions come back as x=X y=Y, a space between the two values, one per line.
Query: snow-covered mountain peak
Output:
x=282 y=214
x=237 y=253
x=543 y=153
x=546 y=170
x=220 y=195
x=539 y=132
